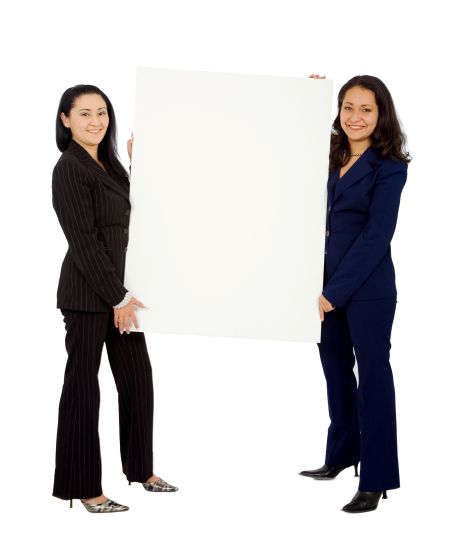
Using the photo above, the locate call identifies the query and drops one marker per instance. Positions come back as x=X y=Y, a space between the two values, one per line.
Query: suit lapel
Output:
x=365 y=165
x=82 y=155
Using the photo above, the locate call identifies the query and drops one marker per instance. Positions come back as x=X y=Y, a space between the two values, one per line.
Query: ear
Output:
x=65 y=120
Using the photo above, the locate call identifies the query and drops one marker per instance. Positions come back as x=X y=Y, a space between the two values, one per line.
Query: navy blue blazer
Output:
x=362 y=211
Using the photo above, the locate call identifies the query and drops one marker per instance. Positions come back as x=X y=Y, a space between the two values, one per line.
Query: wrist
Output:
x=126 y=300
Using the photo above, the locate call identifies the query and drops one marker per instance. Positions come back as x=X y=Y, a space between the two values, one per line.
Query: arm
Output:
x=373 y=242
x=72 y=202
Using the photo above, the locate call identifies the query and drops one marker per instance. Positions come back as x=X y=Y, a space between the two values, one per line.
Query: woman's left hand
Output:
x=125 y=316
x=324 y=307
x=130 y=146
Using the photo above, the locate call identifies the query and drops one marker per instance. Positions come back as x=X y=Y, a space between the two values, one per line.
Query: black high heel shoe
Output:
x=326 y=472
x=364 y=501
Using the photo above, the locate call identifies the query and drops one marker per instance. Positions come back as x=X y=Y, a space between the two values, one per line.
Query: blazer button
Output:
x=127 y=212
x=329 y=209
x=327 y=234
x=125 y=249
x=125 y=231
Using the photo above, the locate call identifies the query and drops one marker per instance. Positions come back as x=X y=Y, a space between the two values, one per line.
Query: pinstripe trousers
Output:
x=78 y=461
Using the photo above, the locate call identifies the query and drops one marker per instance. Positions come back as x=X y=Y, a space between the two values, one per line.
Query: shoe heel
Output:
x=356 y=470
x=129 y=483
x=384 y=494
x=71 y=505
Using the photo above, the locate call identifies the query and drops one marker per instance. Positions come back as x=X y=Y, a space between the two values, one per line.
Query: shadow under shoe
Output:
x=326 y=472
x=363 y=502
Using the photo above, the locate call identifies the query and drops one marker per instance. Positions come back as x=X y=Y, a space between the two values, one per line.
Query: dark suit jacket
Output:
x=361 y=218
x=94 y=211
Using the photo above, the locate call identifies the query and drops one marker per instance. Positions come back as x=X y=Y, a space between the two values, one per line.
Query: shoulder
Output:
x=69 y=175
x=67 y=160
x=389 y=165
x=393 y=172
x=390 y=176
x=69 y=169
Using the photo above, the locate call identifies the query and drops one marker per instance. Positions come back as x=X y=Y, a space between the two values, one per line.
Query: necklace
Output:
x=358 y=155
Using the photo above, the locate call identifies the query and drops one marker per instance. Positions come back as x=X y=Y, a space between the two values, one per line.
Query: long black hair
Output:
x=388 y=138
x=107 y=149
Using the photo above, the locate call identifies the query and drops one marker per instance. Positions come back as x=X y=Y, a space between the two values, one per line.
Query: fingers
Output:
x=134 y=320
x=127 y=324
x=130 y=146
x=324 y=307
x=124 y=324
x=124 y=317
x=319 y=306
x=321 y=313
x=136 y=302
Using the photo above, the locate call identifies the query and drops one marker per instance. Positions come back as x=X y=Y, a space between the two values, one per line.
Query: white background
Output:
x=235 y=420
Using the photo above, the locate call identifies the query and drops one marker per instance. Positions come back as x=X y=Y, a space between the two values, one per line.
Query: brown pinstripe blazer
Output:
x=94 y=212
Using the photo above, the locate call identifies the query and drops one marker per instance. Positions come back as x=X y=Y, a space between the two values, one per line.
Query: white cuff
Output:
x=126 y=300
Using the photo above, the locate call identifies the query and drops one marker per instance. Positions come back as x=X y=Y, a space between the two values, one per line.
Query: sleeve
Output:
x=72 y=202
x=374 y=240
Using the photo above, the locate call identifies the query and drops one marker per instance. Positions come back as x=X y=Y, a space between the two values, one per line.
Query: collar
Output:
x=88 y=161
x=367 y=163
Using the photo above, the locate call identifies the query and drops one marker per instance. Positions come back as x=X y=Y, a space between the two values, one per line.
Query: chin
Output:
x=94 y=140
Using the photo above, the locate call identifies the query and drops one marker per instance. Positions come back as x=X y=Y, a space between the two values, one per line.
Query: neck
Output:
x=91 y=150
x=358 y=147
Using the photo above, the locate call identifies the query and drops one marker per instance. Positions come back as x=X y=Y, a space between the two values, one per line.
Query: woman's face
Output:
x=88 y=120
x=359 y=114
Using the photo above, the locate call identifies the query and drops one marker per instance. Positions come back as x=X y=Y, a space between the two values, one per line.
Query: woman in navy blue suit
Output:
x=368 y=169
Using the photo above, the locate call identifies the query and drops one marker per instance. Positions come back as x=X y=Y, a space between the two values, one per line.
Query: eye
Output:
x=102 y=112
x=347 y=108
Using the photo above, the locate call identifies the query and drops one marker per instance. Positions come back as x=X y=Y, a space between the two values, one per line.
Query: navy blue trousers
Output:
x=362 y=414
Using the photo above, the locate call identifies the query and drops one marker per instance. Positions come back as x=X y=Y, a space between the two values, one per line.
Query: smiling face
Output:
x=88 y=121
x=359 y=116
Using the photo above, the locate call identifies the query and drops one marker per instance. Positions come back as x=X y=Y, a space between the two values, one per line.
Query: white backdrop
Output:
x=228 y=194
x=235 y=420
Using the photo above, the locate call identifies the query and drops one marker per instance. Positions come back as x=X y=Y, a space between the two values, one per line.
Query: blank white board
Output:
x=228 y=191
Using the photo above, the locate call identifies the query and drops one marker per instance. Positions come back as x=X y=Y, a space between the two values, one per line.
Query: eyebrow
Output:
x=88 y=109
x=362 y=105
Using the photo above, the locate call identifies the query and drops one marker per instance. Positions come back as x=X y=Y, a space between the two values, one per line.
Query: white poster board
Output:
x=228 y=192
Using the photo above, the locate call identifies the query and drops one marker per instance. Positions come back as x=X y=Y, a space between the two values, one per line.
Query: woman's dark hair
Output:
x=388 y=138
x=107 y=149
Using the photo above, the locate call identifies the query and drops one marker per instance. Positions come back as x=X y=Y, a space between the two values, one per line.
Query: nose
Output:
x=354 y=118
x=95 y=121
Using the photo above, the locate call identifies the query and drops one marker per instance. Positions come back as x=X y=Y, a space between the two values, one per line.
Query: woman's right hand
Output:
x=124 y=316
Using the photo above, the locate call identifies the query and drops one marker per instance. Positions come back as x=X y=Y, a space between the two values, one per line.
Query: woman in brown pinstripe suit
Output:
x=91 y=198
